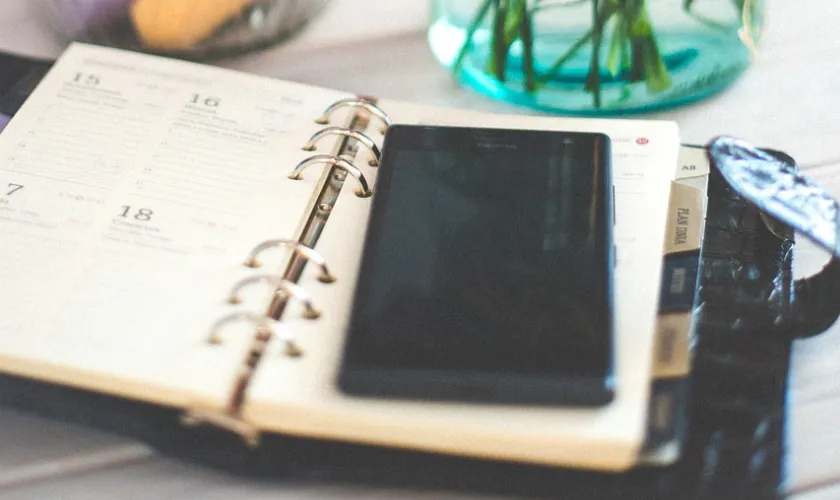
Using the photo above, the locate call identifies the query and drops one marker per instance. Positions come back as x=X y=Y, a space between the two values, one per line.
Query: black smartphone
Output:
x=486 y=274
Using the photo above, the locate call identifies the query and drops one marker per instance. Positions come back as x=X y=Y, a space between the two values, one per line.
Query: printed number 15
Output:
x=82 y=78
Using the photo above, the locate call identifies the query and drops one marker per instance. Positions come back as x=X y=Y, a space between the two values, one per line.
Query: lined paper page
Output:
x=131 y=189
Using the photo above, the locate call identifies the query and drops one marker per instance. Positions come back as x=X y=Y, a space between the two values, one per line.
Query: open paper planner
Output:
x=190 y=237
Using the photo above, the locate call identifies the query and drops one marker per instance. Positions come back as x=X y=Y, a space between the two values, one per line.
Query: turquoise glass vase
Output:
x=596 y=57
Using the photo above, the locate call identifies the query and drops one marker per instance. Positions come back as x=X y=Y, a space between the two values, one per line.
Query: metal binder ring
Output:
x=263 y=324
x=282 y=286
x=346 y=132
x=266 y=328
x=297 y=292
x=355 y=102
x=334 y=161
x=308 y=253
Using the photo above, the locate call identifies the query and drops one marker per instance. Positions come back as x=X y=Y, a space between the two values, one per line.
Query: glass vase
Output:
x=596 y=57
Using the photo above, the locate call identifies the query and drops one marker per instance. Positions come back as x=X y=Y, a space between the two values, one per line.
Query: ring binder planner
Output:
x=309 y=253
x=355 y=134
x=731 y=441
x=336 y=162
x=358 y=102
x=250 y=121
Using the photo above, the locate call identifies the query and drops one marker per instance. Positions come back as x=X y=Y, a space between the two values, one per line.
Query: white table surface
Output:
x=790 y=99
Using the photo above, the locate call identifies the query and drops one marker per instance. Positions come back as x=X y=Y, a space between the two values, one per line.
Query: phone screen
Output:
x=487 y=269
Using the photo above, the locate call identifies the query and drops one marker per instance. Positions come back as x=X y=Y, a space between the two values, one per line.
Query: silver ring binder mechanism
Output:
x=336 y=162
x=355 y=134
x=267 y=324
x=304 y=251
x=355 y=102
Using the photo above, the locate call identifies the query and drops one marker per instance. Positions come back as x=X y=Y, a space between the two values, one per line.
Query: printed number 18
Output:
x=210 y=102
x=141 y=214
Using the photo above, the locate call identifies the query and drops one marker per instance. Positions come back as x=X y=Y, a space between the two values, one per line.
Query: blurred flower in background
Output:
x=193 y=29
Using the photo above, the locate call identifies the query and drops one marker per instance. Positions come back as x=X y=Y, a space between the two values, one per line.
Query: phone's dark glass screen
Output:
x=487 y=264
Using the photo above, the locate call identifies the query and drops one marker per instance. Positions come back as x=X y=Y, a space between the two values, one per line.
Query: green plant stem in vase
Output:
x=628 y=66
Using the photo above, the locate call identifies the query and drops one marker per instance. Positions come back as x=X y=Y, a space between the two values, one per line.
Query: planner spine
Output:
x=268 y=326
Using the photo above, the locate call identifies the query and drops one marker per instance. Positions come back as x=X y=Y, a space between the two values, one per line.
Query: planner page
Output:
x=301 y=395
x=132 y=188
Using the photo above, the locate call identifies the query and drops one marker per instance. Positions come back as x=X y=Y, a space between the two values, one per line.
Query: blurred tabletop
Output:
x=788 y=100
